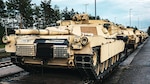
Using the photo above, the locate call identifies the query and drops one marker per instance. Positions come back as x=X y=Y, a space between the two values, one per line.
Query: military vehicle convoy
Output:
x=91 y=48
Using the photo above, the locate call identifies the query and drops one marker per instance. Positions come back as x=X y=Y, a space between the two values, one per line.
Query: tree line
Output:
x=29 y=14
x=24 y=14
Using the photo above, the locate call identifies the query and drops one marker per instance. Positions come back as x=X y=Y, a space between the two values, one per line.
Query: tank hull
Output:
x=92 y=48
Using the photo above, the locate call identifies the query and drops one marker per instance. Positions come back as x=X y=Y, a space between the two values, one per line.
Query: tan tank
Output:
x=133 y=39
x=128 y=35
x=90 y=48
x=138 y=33
x=144 y=35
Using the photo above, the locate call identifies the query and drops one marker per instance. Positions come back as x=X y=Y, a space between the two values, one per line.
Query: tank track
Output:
x=85 y=66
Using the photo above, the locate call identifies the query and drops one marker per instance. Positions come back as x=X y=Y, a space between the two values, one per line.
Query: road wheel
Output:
x=112 y=60
x=106 y=64
x=96 y=63
x=117 y=57
x=102 y=68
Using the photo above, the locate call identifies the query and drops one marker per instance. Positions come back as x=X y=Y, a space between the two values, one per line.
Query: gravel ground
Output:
x=3 y=53
x=2 y=50
x=54 y=76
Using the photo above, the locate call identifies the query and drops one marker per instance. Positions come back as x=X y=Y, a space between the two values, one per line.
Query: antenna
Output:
x=86 y=7
x=95 y=10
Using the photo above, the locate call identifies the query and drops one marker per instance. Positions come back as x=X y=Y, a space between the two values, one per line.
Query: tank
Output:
x=89 y=48
x=138 y=33
x=144 y=35
x=133 y=39
x=130 y=36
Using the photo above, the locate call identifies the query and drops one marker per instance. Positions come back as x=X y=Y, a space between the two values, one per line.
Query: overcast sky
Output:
x=114 y=10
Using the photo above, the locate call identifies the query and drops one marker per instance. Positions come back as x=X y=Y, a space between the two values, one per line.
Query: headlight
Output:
x=76 y=39
x=6 y=39
x=84 y=40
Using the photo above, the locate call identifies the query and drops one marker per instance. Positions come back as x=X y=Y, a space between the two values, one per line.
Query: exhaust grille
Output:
x=27 y=50
x=60 y=51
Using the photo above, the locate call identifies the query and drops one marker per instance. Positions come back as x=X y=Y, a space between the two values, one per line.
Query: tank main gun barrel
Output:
x=42 y=32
